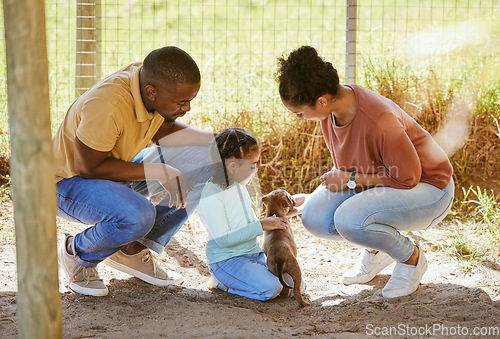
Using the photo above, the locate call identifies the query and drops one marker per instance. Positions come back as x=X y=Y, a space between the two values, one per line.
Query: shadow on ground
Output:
x=136 y=309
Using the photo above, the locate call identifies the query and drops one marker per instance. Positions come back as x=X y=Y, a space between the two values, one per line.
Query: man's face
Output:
x=174 y=100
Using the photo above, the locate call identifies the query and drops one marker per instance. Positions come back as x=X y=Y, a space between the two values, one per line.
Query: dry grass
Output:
x=294 y=154
x=434 y=104
x=294 y=159
x=4 y=169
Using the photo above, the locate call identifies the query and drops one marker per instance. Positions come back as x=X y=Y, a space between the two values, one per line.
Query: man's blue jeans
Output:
x=374 y=218
x=120 y=211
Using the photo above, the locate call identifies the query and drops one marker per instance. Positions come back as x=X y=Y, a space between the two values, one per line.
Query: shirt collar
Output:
x=141 y=112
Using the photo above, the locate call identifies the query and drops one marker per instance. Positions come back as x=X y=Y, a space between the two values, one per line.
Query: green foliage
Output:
x=476 y=238
x=486 y=211
x=459 y=246
x=488 y=103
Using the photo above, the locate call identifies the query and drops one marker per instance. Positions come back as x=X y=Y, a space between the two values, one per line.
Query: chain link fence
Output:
x=236 y=43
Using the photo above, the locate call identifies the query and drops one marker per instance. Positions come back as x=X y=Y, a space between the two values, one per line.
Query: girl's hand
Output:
x=273 y=223
x=335 y=180
x=299 y=204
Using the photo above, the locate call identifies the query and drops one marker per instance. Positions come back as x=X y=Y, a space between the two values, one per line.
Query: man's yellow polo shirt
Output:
x=109 y=117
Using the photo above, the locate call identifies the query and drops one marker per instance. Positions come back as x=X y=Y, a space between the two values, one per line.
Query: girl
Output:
x=389 y=175
x=235 y=259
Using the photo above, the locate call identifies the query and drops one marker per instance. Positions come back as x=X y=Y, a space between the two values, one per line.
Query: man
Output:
x=104 y=171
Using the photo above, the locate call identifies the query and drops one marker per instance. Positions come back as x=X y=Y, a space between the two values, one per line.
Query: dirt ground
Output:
x=448 y=302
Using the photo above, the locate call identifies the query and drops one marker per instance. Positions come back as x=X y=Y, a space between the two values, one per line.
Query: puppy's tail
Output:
x=280 y=265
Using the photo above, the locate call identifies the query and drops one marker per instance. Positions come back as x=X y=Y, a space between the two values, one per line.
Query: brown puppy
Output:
x=279 y=246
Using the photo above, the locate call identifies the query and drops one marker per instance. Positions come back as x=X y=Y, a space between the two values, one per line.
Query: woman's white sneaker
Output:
x=367 y=267
x=406 y=278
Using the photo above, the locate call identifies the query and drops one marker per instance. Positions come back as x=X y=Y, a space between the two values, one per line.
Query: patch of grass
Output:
x=476 y=238
x=459 y=246
x=478 y=159
x=481 y=209
x=473 y=250
x=486 y=212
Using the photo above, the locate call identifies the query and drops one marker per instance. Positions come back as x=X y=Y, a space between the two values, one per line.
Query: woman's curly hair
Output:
x=304 y=76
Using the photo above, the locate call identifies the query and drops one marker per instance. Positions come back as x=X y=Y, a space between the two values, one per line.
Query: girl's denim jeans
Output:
x=248 y=276
x=375 y=217
x=120 y=211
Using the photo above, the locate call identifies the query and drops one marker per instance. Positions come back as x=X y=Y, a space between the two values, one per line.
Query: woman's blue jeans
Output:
x=374 y=218
x=120 y=211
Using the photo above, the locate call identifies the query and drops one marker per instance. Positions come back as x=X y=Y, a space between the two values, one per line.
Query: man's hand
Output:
x=174 y=183
x=92 y=164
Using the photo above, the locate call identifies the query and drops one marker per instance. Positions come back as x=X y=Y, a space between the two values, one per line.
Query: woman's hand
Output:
x=335 y=180
x=273 y=223
x=299 y=204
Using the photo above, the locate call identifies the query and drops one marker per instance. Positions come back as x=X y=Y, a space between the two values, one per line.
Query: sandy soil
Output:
x=448 y=301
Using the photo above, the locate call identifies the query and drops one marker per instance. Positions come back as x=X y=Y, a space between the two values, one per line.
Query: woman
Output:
x=389 y=175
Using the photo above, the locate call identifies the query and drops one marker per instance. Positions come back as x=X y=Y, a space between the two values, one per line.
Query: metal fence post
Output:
x=350 y=54
x=88 y=44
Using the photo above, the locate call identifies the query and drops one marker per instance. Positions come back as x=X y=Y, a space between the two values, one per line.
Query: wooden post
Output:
x=33 y=185
x=88 y=44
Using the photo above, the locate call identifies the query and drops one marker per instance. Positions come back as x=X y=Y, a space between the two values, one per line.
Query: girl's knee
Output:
x=271 y=290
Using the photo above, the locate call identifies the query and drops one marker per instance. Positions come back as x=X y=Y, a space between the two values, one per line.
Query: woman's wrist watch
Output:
x=351 y=184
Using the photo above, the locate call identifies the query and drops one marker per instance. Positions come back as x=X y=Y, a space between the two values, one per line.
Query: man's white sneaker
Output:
x=367 y=267
x=406 y=278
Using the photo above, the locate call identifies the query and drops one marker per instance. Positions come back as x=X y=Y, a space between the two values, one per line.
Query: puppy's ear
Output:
x=265 y=199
